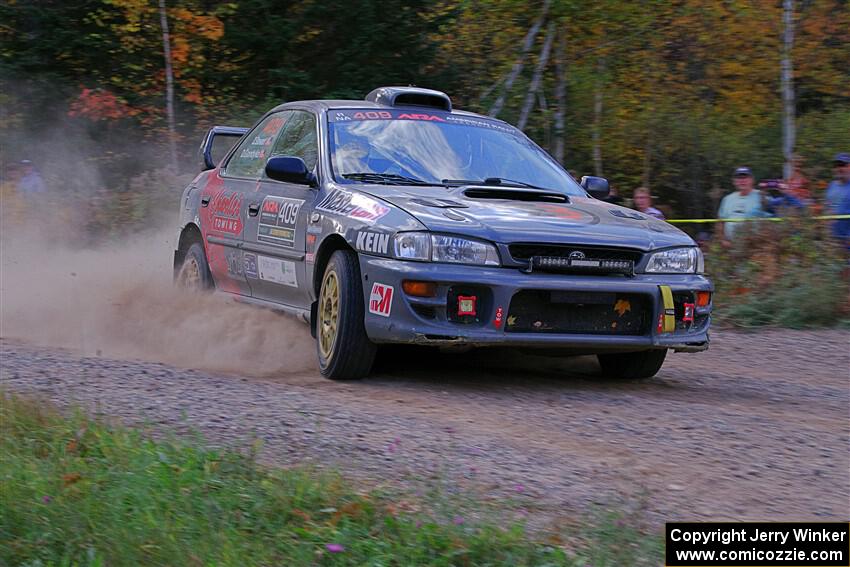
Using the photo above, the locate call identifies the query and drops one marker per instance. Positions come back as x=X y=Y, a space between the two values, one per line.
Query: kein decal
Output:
x=373 y=242
x=381 y=299
x=497 y=322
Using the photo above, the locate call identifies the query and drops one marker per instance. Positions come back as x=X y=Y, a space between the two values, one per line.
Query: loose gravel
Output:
x=757 y=428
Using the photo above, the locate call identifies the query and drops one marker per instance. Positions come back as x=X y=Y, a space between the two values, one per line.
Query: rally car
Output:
x=400 y=219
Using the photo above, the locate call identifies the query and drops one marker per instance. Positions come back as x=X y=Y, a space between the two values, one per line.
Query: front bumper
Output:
x=429 y=321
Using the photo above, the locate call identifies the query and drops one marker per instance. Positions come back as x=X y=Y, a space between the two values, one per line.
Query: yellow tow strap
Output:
x=669 y=310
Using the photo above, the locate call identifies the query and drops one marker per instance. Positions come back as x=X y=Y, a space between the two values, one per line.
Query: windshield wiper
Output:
x=386 y=179
x=493 y=181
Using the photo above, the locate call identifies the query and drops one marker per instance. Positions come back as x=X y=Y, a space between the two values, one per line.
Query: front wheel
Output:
x=632 y=365
x=345 y=352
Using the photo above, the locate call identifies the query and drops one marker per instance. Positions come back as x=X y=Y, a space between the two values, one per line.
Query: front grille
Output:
x=593 y=313
x=524 y=252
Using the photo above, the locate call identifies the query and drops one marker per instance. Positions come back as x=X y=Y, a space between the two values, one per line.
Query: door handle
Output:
x=205 y=200
x=253 y=209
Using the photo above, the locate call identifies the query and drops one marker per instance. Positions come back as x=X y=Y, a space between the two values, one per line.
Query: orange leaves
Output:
x=99 y=104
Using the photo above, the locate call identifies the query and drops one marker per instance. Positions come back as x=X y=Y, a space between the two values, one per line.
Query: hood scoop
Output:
x=627 y=214
x=440 y=203
x=515 y=194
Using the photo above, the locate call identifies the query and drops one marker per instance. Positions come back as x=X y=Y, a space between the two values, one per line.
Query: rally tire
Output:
x=632 y=365
x=194 y=274
x=343 y=349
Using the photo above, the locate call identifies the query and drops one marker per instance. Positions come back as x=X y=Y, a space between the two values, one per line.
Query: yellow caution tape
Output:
x=774 y=219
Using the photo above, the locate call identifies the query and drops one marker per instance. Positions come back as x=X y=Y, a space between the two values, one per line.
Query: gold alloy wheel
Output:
x=328 y=314
x=190 y=275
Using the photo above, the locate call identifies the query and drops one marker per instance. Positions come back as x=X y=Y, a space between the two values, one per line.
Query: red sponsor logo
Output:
x=231 y=226
x=430 y=117
x=226 y=205
x=497 y=322
x=224 y=211
x=381 y=299
x=270 y=206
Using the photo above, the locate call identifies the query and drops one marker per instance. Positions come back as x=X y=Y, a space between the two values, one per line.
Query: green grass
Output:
x=78 y=492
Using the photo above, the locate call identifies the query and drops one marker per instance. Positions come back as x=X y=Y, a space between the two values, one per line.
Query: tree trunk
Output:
x=560 y=98
x=597 y=118
x=528 y=103
x=789 y=113
x=169 y=86
x=527 y=43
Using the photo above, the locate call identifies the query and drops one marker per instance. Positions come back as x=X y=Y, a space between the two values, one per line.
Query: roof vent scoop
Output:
x=410 y=96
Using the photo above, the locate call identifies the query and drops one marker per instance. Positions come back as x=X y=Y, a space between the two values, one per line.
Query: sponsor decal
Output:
x=375 y=242
x=466 y=305
x=249 y=262
x=310 y=258
x=224 y=210
x=314 y=228
x=311 y=240
x=497 y=322
x=278 y=217
x=688 y=317
x=560 y=211
x=274 y=125
x=352 y=205
x=381 y=299
x=234 y=264
x=277 y=271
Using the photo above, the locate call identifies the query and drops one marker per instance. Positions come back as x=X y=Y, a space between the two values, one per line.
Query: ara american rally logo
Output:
x=381 y=299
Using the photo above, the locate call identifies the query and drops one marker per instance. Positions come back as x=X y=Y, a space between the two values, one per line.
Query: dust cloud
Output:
x=116 y=300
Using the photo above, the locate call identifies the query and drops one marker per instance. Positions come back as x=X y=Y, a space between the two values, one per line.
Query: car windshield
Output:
x=422 y=147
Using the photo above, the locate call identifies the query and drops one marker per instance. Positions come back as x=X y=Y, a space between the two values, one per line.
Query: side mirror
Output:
x=289 y=169
x=596 y=186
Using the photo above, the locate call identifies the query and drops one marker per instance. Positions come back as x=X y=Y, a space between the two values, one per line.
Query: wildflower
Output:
x=335 y=547
x=519 y=488
x=46 y=499
x=458 y=520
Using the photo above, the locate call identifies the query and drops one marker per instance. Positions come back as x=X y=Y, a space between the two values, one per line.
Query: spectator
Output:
x=838 y=196
x=643 y=203
x=613 y=196
x=798 y=184
x=745 y=203
x=30 y=182
x=786 y=202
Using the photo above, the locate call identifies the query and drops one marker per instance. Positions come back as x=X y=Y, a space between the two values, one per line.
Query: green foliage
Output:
x=782 y=274
x=78 y=492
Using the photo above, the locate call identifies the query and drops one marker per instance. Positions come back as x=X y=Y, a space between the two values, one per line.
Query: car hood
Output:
x=582 y=220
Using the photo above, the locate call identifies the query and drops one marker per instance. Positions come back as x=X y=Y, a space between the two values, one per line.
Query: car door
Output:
x=224 y=206
x=275 y=237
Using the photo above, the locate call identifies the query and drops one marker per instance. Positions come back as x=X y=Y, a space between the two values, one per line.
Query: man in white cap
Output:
x=745 y=203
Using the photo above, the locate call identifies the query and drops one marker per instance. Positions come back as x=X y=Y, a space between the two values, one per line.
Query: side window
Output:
x=249 y=159
x=299 y=139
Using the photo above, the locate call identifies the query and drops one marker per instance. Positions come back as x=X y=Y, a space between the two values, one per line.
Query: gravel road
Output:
x=756 y=428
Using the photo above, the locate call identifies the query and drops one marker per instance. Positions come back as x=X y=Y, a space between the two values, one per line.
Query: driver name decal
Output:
x=381 y=299
x=278 y=217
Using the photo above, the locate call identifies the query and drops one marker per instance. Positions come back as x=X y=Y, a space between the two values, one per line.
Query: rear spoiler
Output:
x=207 y=144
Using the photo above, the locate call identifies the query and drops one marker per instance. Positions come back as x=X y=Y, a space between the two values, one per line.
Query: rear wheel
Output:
x=345 y=352
x=632 y=365
x=194 y=273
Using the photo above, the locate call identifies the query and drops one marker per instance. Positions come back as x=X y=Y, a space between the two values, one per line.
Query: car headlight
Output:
x=677 y=261
x=425 y=246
